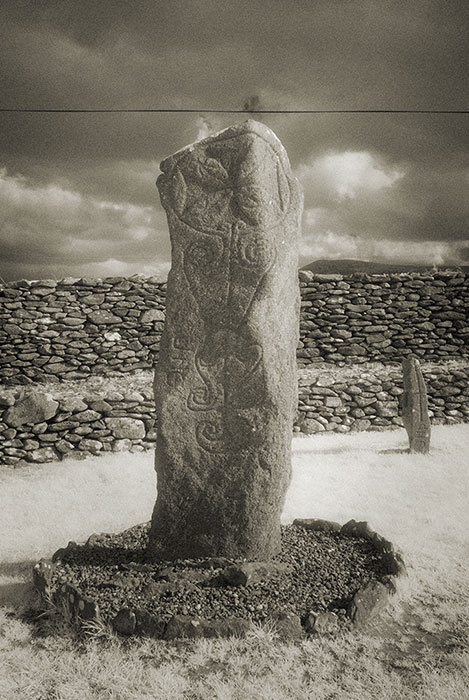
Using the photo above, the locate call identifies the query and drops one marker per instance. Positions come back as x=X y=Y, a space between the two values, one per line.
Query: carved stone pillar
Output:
x=414 y=406
x=225 y=383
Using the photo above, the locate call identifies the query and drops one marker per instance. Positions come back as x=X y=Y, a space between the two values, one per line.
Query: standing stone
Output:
x=225 y=383
x=414 y=406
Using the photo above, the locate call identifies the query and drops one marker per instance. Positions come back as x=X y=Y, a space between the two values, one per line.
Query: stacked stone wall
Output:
x=38 y=426
x=72 y=329
x=65 y=333
x=381 y=318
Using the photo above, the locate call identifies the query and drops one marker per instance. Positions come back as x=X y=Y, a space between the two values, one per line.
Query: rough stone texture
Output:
x=368 y=602
x=78 y=606
x=318 y=524
x=225 y=384
x=42 y=574
x=321 y=623
x=363 y=385
x=250 y=573
x=61 y=583
x=287 y=625
x=35 y=408
x=125 y=622
x=335 y=321
x=415 y=406
x=123 y=428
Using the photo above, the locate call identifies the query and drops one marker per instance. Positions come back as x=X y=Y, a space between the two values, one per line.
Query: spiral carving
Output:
x=200 y=399
x=210 y=434
x=252 y=250
x=204 y=253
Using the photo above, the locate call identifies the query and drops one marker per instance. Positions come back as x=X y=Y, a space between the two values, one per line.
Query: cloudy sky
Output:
x=77 y=191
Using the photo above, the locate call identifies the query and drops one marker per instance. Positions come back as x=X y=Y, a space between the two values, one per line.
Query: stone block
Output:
x=103 y=317
x=368 y=602
x=250 y=573
x=287 y=625
x=321 y=623
x=43 y=454
x=130 y=428
x=311 y=426
x=35 y=408
x=151 y=315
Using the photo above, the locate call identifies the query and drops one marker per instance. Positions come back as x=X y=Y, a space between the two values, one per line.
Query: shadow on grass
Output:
x=18 y=592
x=349 y=450
x=21 y=601
x=405 y=641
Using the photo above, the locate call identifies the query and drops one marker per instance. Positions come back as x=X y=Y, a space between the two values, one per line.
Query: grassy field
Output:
x=417 y=649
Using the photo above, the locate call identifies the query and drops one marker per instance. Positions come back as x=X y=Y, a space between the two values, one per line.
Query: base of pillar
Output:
x=327 y=577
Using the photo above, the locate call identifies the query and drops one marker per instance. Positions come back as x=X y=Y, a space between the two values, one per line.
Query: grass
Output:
x=101 y=386
x=417 y=649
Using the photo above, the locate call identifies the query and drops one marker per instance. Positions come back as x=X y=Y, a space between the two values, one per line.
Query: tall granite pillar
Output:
x=225 y=383
x=414 y=406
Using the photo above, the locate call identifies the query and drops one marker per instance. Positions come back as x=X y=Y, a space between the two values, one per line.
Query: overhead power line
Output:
x=235 y=111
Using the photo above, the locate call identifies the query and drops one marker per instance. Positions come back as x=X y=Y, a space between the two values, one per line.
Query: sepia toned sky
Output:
x=77 y=190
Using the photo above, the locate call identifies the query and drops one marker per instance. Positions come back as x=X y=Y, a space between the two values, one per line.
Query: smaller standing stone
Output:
x=414 y=405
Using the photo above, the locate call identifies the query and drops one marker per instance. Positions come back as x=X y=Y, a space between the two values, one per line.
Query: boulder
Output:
x=122 y=428
x=35 y=408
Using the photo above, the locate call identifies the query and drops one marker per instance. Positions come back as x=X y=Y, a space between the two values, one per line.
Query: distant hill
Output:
x=341 y=266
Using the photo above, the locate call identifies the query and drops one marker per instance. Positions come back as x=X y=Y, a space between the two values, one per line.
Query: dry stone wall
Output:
x=36 y=426
x=71 y=329
x=381 y=318
x=79 y=329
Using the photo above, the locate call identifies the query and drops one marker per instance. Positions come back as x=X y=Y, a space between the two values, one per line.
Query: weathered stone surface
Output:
x=428 y=327
x=101 y=406
x=35 y=408
x=43 y=454
x=42 y=575
x=152 y=315
x=72 y=404
x=225 y=384
x=125 y=622
x=149 y=625
x=103 y=316
x=414 y=406
x=122 y=428
x=309 y=426
x=87 y=609
x=321 y=623
x=122 y=445
x=229 y=627
x=357 y=529
x=317 y=524
x=394 y=564
x=184 y=626
x=368 y=602
x=287 y=625
x=89 y=445
x=6 y=401
x=77 y=605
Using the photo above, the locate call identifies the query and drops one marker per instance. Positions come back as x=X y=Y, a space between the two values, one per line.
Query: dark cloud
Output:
x=268 y=54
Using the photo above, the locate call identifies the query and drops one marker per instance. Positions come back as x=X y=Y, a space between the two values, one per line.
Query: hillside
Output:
x=344 y=266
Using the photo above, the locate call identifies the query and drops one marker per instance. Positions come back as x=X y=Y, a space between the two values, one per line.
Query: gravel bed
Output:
x=324 y=570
